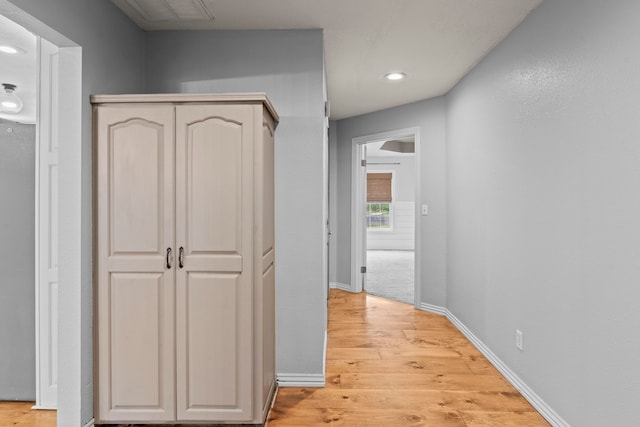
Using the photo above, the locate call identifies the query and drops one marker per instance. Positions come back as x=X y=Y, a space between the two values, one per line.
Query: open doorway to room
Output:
x=384 y=226
x=29 y=187
x=49 y=246
x=390 y=235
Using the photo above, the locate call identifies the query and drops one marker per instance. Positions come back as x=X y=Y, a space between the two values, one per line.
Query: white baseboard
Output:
x=324 y=355
x=44 y=408
x=341 y=286
x=90 y=423
x=301 y=380
x=536 y=401
x=435 y=309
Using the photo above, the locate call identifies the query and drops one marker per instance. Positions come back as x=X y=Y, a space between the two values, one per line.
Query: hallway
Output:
x=388 y=364
x=391 y=365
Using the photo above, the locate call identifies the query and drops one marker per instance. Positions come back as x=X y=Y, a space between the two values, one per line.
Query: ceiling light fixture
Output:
x=399 y=146
x=395 y=76
x=6 y=48
x=9 y=101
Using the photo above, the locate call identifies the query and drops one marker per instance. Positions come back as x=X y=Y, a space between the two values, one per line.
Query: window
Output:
x=378 y=216
x=379 y=201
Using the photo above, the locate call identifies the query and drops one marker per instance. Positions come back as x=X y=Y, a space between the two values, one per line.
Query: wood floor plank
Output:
x=20 y=414
x=389 y=364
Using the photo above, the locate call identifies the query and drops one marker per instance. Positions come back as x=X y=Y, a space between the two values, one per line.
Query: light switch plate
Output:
x=425 y=209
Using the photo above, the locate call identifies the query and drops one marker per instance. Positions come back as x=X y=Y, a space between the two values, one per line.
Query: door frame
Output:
x=358 y=180
x=46 y=244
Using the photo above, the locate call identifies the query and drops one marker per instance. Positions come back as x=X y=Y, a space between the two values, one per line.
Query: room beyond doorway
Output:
x=384 y=217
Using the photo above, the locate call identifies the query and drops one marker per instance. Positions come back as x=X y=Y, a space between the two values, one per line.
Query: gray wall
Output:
x=112 y=62
x=17 y=261
x=288 y=66
x=429 y=116
x=543 y=168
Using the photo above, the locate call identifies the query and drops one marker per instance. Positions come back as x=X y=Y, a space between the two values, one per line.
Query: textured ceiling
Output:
x=435 y=42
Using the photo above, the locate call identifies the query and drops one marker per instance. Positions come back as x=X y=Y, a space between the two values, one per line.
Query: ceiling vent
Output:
x=155 y=14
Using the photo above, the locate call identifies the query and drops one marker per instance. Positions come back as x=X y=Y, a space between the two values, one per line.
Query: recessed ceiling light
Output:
x=395 y=76
x=12 y=50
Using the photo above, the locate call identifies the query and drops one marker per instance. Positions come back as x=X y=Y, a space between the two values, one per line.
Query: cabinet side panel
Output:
x=268 y=281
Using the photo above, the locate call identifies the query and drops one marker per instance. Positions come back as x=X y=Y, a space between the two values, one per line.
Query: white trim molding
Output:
x=341 y=286
x=91 y=423
x=430 y=308
x=536 y=401
x=301 y=380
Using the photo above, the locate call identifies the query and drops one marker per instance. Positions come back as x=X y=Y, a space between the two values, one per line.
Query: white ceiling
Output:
x=19 y=69
x=435 y=42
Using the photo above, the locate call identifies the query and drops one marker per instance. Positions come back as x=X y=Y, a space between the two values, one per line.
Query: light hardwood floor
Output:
x=20 y=414
x=388 y=365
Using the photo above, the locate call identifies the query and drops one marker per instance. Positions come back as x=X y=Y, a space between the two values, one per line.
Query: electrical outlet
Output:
x=519 y=340
x=425 y=210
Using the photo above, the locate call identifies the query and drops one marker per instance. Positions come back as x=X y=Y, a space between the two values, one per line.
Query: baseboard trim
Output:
x=341 y=286
x=44 y=408
x=91 y=423
x=536 y=401
x=435 y=309
x=301 y=380
x=324 y=354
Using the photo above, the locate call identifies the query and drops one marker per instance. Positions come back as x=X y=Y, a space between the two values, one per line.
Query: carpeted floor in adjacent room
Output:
x=390 y=274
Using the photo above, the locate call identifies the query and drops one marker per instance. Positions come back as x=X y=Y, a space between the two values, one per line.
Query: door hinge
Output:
x=327 y=109
x=363 y=269
x=363 y=162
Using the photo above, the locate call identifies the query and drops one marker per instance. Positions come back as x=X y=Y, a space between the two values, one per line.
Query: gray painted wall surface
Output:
x=112 y=62
x=543 y=229
x=430 y=117
x=17 y=261
x=288 y=66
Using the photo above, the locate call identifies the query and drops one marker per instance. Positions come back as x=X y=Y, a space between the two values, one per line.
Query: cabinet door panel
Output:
x=135 y=187
x=214 y=218
x=211 y=342
x=135 y=226
x=136 y=310
x=214 y=192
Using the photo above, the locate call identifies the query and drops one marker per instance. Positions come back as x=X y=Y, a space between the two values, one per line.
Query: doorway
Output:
x=30 y=175
x=385 y=177
x=65 y=126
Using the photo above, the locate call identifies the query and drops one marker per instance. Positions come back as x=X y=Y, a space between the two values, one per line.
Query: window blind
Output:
x=379 y=187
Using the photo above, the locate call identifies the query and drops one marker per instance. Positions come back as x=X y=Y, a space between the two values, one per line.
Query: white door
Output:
x=214 y=218
x=47 y=242
x=136 y=266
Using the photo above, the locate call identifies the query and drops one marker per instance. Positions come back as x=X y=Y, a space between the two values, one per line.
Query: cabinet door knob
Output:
x=181 y=257
x=168 y=257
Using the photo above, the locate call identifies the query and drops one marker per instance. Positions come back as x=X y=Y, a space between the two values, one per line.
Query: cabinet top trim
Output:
x=181 y=98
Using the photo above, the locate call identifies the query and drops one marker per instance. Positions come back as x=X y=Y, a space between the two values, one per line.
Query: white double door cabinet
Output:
x=185 y=259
